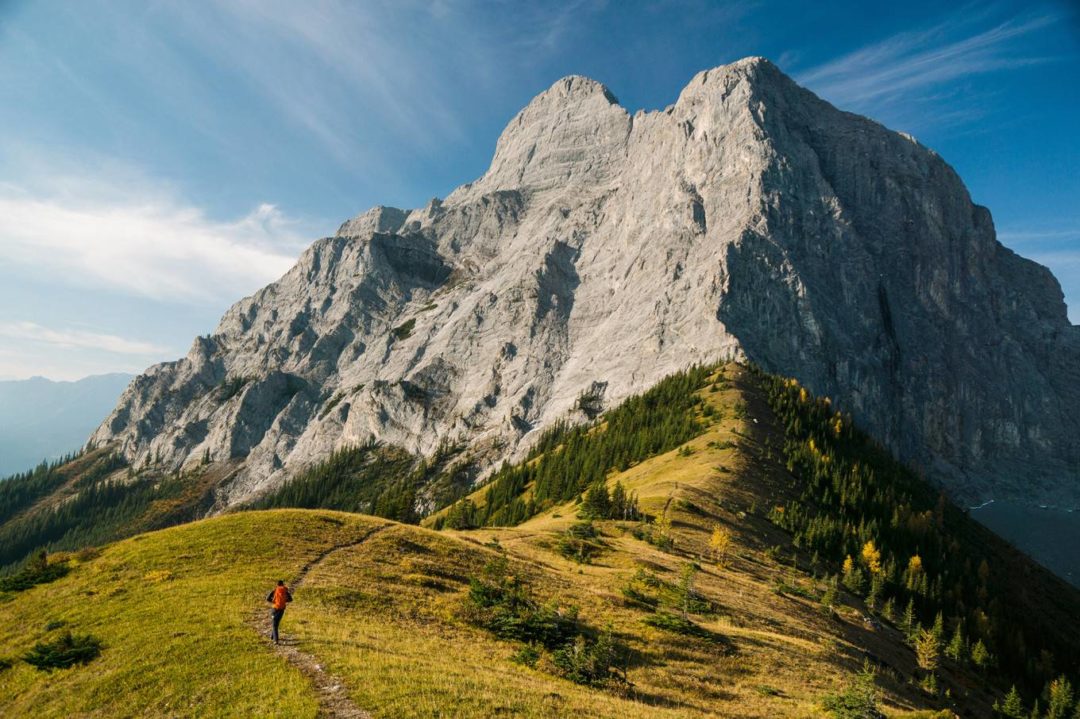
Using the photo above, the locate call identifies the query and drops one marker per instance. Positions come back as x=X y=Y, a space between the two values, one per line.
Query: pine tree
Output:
x=1060 y=696
x=980 y=655
x=853 y=577
x=888 y=610
x=620 y=503
x=597 y=502
x=877 y=585
x=938 y=630
x=955 y=650
x=828 y=598
x=1013 y=708
x=907 y=622
x=685 y=588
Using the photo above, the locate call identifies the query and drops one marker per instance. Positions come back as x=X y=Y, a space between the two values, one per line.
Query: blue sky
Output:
x=159 y=160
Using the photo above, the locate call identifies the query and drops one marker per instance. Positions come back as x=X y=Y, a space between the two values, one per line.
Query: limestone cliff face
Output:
x=602 y=251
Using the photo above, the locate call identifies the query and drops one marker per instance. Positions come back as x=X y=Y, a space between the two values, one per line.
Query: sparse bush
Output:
x=585 y=661
x=528 y=655
x=404 y=330
x=580 y=543
x=678 y=624
x=501 y=603
x=65 y=651
x=858 y=700
x=37 y=571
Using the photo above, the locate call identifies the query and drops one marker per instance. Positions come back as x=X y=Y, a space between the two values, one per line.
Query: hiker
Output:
x=279 y=596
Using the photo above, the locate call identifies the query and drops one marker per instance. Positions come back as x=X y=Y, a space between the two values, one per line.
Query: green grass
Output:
x=171 y=610
x=388 y=616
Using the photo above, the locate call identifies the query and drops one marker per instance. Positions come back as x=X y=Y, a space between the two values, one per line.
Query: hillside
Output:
x=603 y=250
x=396 y=620
x=44 y=420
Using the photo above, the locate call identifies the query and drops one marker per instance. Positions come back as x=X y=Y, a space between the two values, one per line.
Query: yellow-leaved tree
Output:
x=718 y=544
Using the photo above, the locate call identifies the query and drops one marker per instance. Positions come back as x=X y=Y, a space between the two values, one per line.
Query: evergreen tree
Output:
x=938 y=629
x=1013 y=706
x=980 y=655
x=620 y=503
x=597 y=502
x=852 y=576
x=907 y=622
x=1059 y=694
x=955 y=650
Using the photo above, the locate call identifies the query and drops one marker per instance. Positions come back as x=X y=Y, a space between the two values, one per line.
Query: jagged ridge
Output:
x=602 y=251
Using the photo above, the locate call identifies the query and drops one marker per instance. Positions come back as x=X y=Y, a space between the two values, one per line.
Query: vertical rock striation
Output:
x=602 y=251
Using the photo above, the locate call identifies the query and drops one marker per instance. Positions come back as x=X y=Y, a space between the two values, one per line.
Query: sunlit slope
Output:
x=381 y=608
x=171 y=608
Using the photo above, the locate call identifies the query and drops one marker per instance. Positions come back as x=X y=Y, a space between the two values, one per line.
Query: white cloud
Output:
x=914 y=66
x=136 y=239
x=78 y=339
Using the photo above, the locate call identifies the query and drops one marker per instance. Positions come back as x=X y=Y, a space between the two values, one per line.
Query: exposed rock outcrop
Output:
x=749 y=219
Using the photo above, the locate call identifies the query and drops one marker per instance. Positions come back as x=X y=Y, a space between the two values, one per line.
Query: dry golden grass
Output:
x=384 y=615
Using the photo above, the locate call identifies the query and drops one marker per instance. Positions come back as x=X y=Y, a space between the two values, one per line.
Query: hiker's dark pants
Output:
x=276 y=615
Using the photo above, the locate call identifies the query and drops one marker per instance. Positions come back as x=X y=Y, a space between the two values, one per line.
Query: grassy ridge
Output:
x=568 y=459
x=170 y=610
x=764 y=633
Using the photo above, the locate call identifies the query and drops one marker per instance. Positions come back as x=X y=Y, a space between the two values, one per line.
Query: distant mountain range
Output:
x=41 y=419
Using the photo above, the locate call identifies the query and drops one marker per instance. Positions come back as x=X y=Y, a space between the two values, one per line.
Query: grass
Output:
x=172 y=609
x=169 y=608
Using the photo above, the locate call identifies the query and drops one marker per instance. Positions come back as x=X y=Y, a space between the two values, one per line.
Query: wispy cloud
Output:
x=347 y=73
x=1016 y=238
x=919 y=67
x=141 y=241
x=78 y=339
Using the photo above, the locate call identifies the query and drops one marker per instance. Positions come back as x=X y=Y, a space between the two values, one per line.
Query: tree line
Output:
x=918 y=560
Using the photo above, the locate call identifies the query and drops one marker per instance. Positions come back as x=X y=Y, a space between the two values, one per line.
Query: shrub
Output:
x=65 y=651
x=37 y=571
x=858 y=700
x=501 y=603
x=588 y=662
x=528 y=655
x=677 y=624
x=579 y=542
x=405 y=329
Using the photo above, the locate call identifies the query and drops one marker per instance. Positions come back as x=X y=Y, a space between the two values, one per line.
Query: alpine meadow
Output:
x=712 y=410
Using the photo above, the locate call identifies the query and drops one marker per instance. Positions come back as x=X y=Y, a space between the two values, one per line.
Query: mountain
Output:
x=633 y=616
x=41 y=419
x=602 y=251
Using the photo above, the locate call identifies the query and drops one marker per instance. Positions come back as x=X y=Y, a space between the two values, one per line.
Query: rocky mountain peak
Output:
x=601 y=252
x=568 y=133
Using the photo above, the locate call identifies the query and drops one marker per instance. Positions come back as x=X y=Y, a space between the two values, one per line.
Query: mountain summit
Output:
x=602 y=251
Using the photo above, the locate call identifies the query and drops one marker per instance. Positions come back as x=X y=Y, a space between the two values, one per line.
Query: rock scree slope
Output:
x=602 y=251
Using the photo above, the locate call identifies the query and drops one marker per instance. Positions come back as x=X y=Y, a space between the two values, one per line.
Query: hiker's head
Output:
x=281 y=582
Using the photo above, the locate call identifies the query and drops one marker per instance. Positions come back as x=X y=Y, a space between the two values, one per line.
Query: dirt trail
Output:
x=330 y=691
